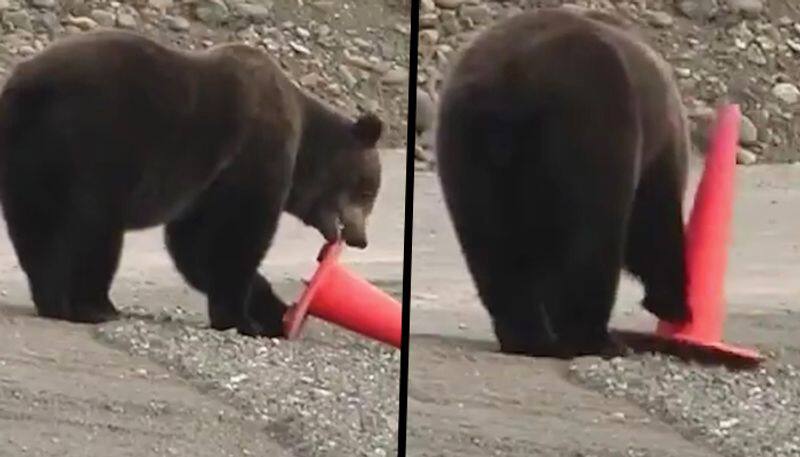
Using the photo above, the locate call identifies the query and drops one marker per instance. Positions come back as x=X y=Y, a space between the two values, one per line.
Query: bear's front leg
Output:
x=655 y=245
x=238 y=296
x=218 y=247
x=264 y=310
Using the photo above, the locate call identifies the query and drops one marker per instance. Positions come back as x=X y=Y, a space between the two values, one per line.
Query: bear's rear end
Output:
x=540 y=157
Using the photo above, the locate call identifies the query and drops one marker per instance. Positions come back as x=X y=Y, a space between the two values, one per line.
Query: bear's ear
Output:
x=367 y=129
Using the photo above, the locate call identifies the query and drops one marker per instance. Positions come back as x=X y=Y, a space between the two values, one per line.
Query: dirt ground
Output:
x=66 y=392
x=465 y=399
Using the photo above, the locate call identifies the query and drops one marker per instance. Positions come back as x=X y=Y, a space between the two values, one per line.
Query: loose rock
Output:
x=660 y=19
x=786 y=92
x=428 y=21
x=126 y=21
x=104 y=18
x=178 y=23
x=83 y=23
x=700 y=10
x=395 y=76
x=161 y=5
x=448 y=4
x=19 y=19
x=349 y=79
x=745 y=157
x=756 y=55
x=425 y=113
x=427 y=5
x=750 y=8
x=212 y=12
x=478 y=14
x=299 y=48
x=256 y=13
x=44 y=3
x=748 y=133
x=450 y=22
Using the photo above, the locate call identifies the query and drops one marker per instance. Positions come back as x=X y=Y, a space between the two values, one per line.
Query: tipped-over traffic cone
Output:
x=707 y=236
x=338 y=296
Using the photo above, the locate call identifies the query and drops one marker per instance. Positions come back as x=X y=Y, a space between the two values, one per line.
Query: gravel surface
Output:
x=741 y=50
x=743 y=413
x=332 y=393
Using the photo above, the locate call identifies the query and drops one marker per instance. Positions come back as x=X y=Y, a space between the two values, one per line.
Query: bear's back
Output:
x=123 y=115
x=493 y=58
x=663 y=112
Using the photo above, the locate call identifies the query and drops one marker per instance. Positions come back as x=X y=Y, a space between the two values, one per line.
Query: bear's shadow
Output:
x=636 y=342
x=11 y=311
x=456 y=342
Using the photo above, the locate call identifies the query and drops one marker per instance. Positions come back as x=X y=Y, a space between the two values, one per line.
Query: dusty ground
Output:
x=159 y=384
x=466 y=399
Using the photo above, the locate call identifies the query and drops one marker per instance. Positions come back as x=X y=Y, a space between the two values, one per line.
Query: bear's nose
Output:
x=357 y=242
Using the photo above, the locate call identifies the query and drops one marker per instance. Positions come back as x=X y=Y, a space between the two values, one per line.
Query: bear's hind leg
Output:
x=96 y=248
x=515 y=298
x=499 y=244
x=41 y=258
x=69 y=263
x=587 y=291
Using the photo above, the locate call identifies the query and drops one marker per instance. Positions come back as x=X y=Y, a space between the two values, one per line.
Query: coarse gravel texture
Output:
x=329 y=394
x=746 y=51
x=743 y=413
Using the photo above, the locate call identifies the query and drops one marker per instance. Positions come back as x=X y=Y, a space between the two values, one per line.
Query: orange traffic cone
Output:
x=338 y=296
x=707 y=236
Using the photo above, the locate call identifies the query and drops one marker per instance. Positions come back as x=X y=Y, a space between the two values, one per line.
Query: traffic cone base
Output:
x=702 y=338
x=337 y=295
x=720 y=346
x=689 y=349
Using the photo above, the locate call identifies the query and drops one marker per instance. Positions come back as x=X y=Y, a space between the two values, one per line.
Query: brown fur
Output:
x=109 y=131
x=562 y=147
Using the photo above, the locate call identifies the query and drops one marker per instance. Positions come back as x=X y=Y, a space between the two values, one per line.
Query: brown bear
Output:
x=562 y=146
x=109 y=131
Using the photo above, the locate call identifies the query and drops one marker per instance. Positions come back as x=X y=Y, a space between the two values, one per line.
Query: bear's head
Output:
x=337 y=178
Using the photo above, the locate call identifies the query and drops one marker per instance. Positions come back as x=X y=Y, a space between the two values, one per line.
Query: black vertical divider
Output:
x=408 y=226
